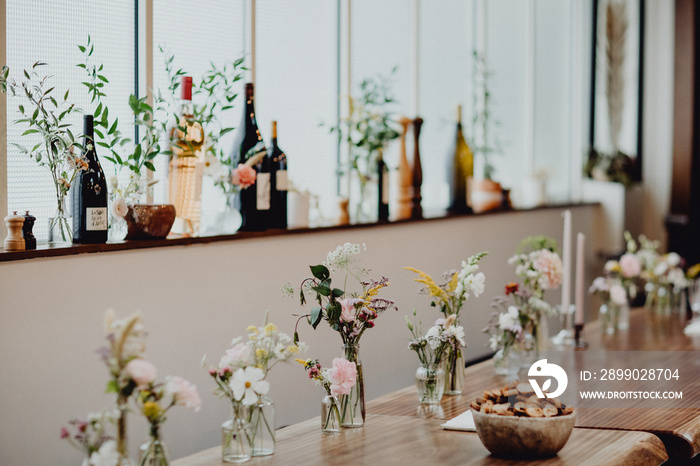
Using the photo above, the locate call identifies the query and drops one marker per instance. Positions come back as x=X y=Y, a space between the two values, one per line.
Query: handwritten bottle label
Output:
x=262 y=185
x=95 y=218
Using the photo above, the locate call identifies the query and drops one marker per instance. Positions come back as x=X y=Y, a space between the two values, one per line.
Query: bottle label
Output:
x=281 y=179
x=262 y=186
x=96 y=218
x=385 y=187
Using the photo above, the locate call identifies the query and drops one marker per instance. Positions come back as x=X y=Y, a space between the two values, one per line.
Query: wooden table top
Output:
x=678 y=428
x=409 y=440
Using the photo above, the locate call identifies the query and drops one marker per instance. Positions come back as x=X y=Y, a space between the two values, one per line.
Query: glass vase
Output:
x=261 y=418
x=122 y=448
x=153 y=453
x=608 y=318
x=454 y=372
x=224 y=220
x=506 y=361
x=235 y=436
x=60 y=226
x=430 y=383
x=528 y=348
x=352 y=406
x=330 y=415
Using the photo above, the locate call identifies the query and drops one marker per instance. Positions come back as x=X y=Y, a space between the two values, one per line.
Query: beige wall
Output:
x=194 y=299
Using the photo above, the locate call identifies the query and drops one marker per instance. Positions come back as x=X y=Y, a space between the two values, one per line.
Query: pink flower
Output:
x=347 y=313
x=243 y=176
x=238 y=356
x=183 y=392
x=618 y=295
x=631 y=265
x=342 y=376
x=64 y=433
x=548 y=264
x=141 y=372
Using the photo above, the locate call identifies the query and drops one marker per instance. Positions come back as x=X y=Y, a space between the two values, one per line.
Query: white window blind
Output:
x=296 y=84
x=49 y=31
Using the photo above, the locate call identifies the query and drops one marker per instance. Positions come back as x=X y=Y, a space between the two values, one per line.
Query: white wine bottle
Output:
x=461 y=171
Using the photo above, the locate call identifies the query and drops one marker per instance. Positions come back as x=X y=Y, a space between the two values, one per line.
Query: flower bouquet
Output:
x=91 y=438
x=449 y=298
x=240 y=377
x=614 y=297
x=337 y=380
x=154 y=401
x=432 y=349
x=541 y=269
x=348 y=313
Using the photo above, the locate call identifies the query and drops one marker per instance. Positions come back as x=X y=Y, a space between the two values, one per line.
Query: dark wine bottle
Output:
x=461 y=171
x=382 y=189
x=278 y=183
x=89 y=194
x=249 y=147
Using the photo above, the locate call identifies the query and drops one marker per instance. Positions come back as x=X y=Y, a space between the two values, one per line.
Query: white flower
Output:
x=119 y=207
x=599 y=284
x=433 y=337
x=247 y=384
x=474 y=284
x=457 y=332
x=673 y=259
x=212 y=166
x=113 y=182
x=676 y=277
x=494 y=342
x=342 y=256
x=660 y=269
x=618 y=295
x=107 y=455
x=509 y=318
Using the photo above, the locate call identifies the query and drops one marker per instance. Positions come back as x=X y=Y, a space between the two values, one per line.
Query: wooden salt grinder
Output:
x=405 y=180
x=14 y=240
x=416 y=209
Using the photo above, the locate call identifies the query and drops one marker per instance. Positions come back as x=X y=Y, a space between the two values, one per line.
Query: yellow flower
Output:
x=260 y=353
x=292 y=349
x=453 y=282
x=301 y=361
x=694 y=271
x=252 y=329
x=427 y=280
x=372 y=292
x=151 y=409
x=270 y=328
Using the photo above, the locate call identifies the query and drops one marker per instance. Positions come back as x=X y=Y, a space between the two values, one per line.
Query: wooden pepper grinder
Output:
x=14 y=240
x=416 y=209
x=27 y=234
x=405 y=180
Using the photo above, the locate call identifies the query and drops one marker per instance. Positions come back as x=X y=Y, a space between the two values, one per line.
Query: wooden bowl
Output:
x=148 y=221
x=523 y=437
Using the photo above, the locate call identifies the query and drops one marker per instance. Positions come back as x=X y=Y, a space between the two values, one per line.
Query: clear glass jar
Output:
x=352 y=406
x=506 y=361
x=330 y=415
x=153 y=453
x=430 y=383
x=454 y=372
x=235 y=433
x=261 y=417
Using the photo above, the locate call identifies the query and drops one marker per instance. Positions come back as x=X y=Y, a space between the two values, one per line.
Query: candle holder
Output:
x=565 y=337
x=578 y=337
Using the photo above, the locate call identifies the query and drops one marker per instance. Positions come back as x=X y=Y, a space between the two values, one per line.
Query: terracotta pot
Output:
x=486 y=195
x=146 y=221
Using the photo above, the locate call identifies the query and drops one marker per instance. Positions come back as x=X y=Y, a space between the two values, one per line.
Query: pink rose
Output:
x=141 y=372
x=549 y=265
x=347 y=306
x=183 y=392
x=342 y=376
x=631 y=265
x=243 y=176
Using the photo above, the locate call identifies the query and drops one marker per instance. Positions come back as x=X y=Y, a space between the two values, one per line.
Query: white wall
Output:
x=194 y=299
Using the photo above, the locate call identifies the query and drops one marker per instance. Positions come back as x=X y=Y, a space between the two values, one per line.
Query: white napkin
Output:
x=464 y=421
x=693 y=328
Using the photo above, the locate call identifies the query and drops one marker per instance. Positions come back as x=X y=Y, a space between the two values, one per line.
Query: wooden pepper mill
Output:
x=416 y=209
x=405 y=181
x=14 y=240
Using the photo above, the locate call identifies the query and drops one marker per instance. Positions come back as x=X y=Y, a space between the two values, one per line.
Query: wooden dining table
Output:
x=399 y=430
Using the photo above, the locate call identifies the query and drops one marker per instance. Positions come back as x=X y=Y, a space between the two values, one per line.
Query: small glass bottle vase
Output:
x=330 y=415
x=60 y=226
x=352 y=406
x=430 y=383
x=261 y=417
x=235 y=434
x=506 y=361
x=153 y=453
x=454 y=372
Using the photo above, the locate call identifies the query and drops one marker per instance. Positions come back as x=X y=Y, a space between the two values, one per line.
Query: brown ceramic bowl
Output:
x=147 y=221
x=523 y=437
